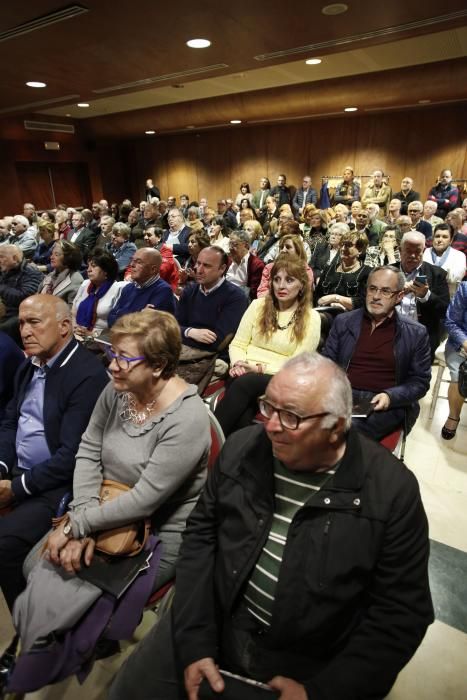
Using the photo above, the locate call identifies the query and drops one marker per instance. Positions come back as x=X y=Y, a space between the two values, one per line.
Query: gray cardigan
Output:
x=163 y=461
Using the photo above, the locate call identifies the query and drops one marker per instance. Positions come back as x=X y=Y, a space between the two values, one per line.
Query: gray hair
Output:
x=21 y=219
x=242 y=236
x=195 y=209
x=416 y=203
x=108 y=219
x=400 y=275
x=413 y=237
x=337 y=398
x=12 y=251
x=121 y=229
x=340 y=228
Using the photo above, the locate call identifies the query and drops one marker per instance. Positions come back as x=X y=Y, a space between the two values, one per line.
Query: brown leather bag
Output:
x=127 y=540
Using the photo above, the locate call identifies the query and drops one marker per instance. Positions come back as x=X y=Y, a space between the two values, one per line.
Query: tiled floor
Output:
x=438 y=671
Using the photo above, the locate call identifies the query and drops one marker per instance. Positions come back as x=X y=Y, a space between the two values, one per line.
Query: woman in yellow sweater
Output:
x=272 y=330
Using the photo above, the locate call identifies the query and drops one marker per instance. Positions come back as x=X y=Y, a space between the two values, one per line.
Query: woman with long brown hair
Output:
x=272 y=330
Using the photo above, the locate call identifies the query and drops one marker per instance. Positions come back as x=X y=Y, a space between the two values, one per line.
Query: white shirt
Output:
x=238 y=272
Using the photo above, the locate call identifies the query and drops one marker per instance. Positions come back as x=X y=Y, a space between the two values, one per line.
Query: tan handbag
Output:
x=126 y=540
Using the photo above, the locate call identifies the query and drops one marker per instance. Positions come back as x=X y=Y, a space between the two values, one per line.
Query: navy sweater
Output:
x=220 y=311
x=133 y=298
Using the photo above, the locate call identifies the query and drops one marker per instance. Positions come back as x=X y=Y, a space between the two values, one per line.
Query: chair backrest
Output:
x=217 y=439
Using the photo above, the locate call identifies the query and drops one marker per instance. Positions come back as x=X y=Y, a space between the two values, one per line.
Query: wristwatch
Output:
x=67 y=529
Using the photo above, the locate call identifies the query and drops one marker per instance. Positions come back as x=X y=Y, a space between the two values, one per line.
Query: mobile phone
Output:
x=249 y=681
x=420 y=279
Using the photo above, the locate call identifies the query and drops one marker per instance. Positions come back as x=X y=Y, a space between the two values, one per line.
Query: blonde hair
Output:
x=297 y=244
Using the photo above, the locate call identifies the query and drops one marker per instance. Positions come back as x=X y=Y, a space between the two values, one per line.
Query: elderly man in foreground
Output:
x=304 y=563
x=55 y=393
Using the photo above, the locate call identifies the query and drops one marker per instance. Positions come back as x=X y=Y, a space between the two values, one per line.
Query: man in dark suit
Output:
x=426 y=297
x=281 y=192
x=55 y=393
x=82 y=236
x=303 y=196
x=246 y=269
x=177 y=235
x=406 y=194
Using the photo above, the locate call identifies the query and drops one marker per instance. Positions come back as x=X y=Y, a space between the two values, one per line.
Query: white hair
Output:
x=21 y=219
x=413 y=237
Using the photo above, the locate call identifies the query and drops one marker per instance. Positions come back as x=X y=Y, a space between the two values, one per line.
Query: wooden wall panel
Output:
x=248 y=157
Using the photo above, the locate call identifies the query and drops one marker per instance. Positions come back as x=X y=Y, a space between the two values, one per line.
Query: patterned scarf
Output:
x=87 y=310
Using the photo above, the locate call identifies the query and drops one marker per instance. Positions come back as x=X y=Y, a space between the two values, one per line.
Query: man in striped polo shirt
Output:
x=304 y=563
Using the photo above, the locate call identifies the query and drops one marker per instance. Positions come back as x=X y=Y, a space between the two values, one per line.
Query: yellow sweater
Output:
x=251 y=346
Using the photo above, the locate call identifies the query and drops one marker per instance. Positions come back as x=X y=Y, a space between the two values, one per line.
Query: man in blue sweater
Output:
x=211 y=309
x=146 y=289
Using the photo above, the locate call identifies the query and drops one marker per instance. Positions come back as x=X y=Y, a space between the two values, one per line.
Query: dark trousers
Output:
x=379 y=423
x=19 y=531
x=240 y=403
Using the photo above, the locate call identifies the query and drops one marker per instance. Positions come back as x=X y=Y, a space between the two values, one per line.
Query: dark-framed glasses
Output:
x=287 y=419
x=123 y=363
x=385 y=292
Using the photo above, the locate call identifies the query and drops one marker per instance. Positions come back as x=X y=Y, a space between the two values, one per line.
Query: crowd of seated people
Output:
x=187 y=285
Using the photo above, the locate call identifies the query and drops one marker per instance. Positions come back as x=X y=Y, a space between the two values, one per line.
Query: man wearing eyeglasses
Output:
x=386 y=355
x=303 y=565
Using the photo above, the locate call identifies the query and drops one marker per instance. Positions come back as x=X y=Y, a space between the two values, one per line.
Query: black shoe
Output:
x=448 y=434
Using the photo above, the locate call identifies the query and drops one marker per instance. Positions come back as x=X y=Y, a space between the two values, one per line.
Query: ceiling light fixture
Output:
x=36 y=84
x=150 y=132
x=198 y=43
x=82 y=104
x=351 y=109
x=235 y=121
x=424 y=102
x=313 y=61
x=337 y=8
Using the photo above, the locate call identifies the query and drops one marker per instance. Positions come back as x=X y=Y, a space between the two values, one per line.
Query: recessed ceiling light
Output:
x=337 y=8
x=36 y=84
x=67 y=115
x=350 y=109
x=313 y=61
x=235 y=121
x=198 y=43
x=83 y=104
x=150 y=132
x=190 y=126
x=424 y=102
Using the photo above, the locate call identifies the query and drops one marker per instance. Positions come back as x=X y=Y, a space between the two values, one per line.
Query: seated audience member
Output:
x=184 y=204
x=210 y=310
x=43 y=252
x=11 y=357
x=65 y=278
x=193 y=216
x=104 y=239
x=244 y=215
x=287 y=226
x=219 y=232
x=29 y=212
x=259 y=197
x=146 y=288
x=288 y=244
x=377 y=192
x=55 y=394
x=340 y=214
x=151 y=215
x=170 y=269
x=208 y=216
x=23 y=235
x=303 y=196
x=5 y=225
x=445 y=194
x=343 y=281
x=83 y=237
x=245 y=269
x=136 y=229
x=97 y=295
x=442 y=254
x=406 y=195
x=314 y=226
x=121 y=247
x=18 y=280
x=426 y=293
x=375 y=226
x=429 y=210
x=415 y=211
x=62 y=227
x=405 y=223
x=177 y=235
x=347 y=191
x=273 y=329
x=394 y=211
x=354 y=209
x=456 y=353
x=386 y=355
x=197 y=241
x=251 y=573
x=280 y=191
x=244 y=193
x=255 y=231
x=387 y=252
x=325 y=252
x=227 y=214
x=455 y=219
x=149 y=431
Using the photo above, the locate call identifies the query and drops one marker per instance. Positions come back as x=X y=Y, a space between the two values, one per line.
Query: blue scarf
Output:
x=442 y=259
x=87 y=310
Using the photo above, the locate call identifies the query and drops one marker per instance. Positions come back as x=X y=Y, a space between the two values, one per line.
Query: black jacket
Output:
x=17 y=284
x=353 y=589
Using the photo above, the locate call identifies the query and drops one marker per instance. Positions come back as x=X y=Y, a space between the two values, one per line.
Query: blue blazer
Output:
x=72 y=387
x=180 y=250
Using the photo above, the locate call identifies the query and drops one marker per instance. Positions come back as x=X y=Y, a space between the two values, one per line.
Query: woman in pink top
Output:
x=287 y=244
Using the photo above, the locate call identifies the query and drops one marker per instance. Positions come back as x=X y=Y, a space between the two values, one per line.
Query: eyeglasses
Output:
x=384 y=291
x=123 y=363
x=287 y=419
